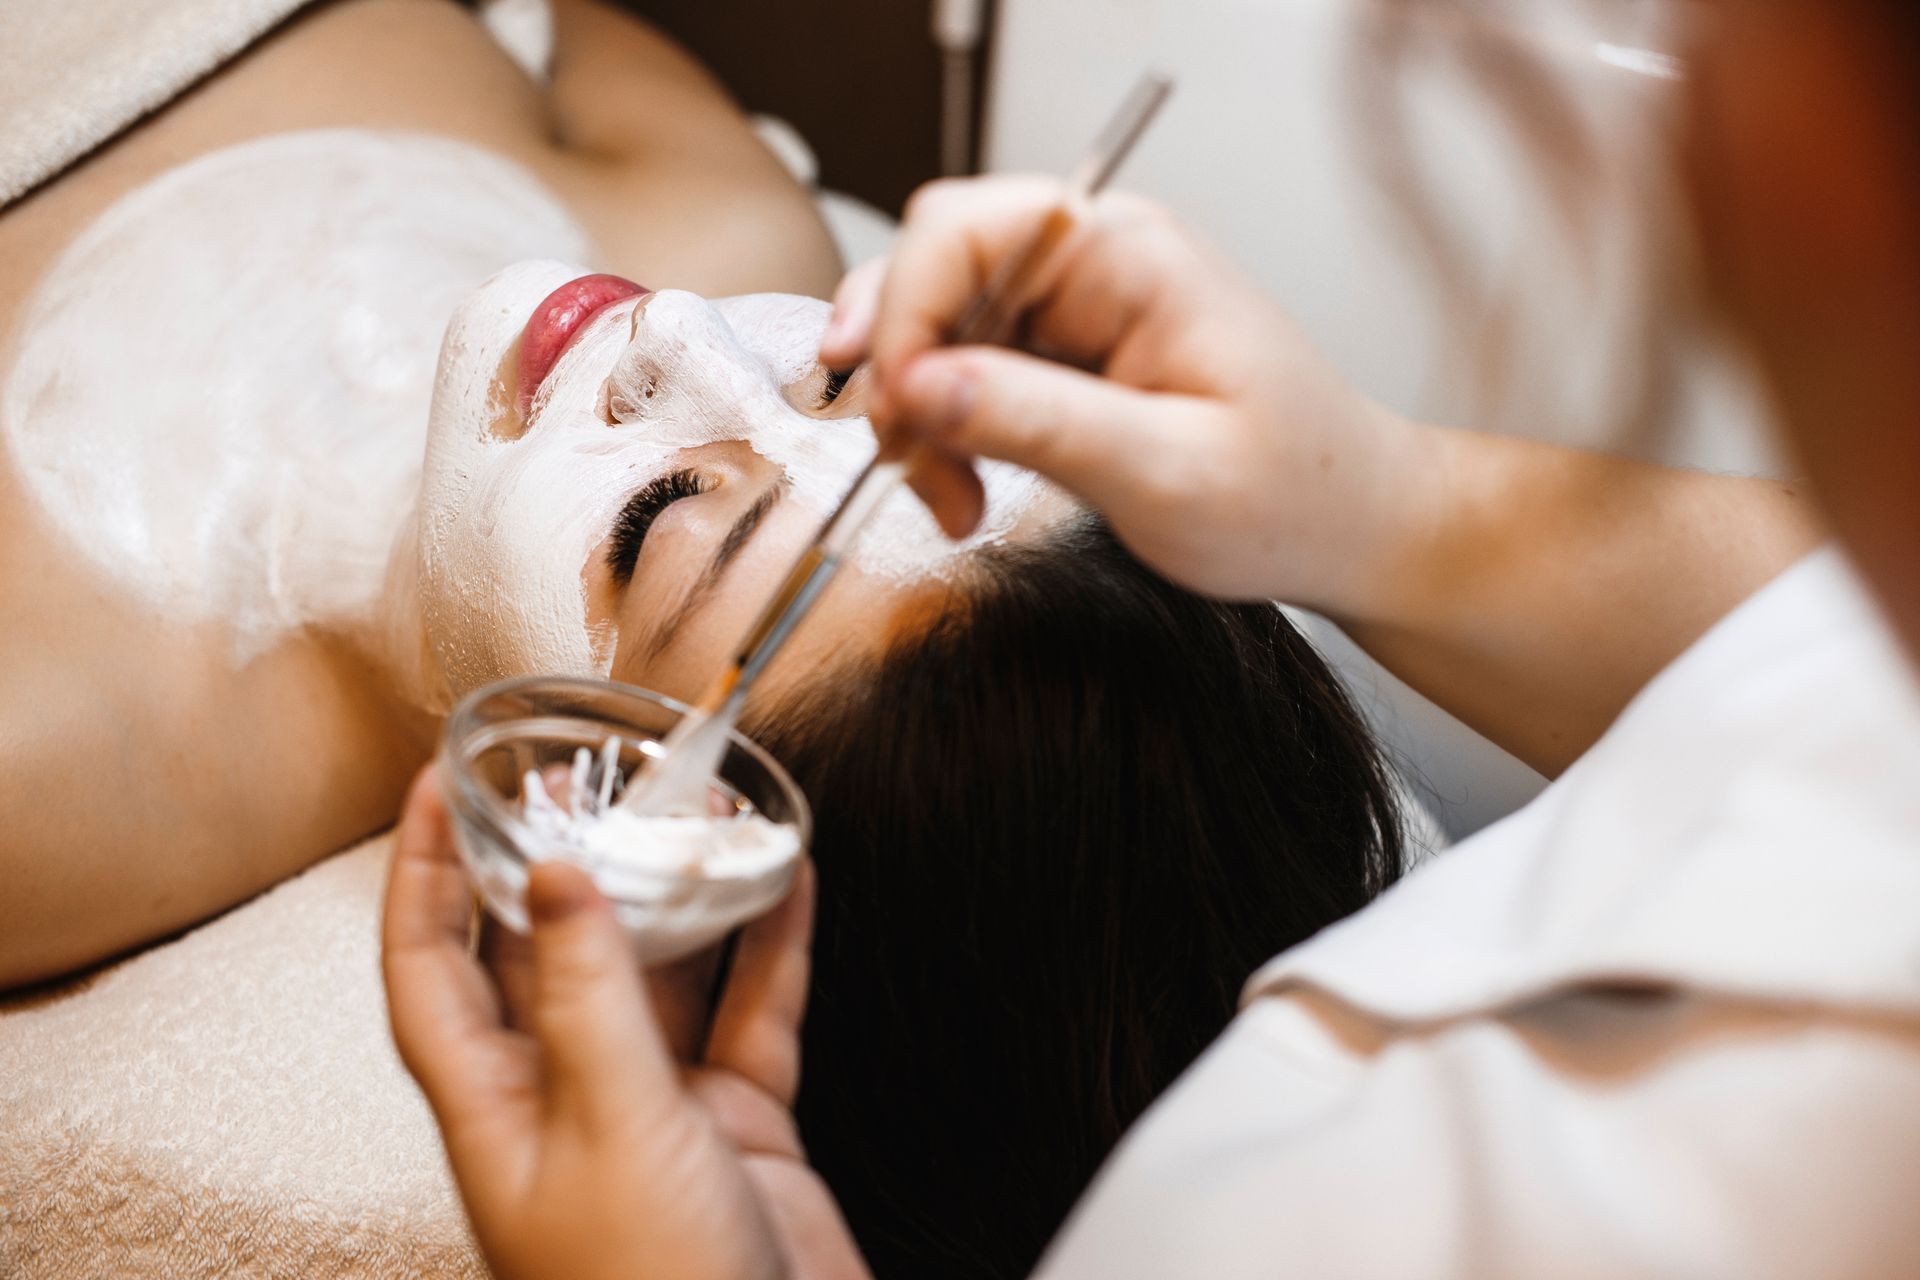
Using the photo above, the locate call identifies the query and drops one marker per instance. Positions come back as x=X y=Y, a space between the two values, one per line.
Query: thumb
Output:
x=1092 y=435
x=601 y=1045
x=844 y=342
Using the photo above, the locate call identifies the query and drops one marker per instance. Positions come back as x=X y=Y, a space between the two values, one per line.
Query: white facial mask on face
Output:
x=510 y=517
x=507 y=520
x=221 y=386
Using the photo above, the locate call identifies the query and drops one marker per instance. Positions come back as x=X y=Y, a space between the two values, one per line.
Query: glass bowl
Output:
x=500 y=734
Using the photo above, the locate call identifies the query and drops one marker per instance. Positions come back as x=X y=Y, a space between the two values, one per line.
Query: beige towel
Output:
x=227 y=1104
x=73 y=73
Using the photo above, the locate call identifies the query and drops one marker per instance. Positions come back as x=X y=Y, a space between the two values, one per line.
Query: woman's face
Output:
x=616 y=480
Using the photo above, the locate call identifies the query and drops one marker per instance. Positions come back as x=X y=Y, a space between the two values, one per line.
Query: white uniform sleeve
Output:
x=1594 y=1134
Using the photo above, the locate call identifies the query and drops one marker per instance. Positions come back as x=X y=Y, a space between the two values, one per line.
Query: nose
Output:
x=681 y=354
x=675 y=314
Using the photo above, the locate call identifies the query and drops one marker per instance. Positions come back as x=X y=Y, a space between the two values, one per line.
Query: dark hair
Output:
x=1057 y=829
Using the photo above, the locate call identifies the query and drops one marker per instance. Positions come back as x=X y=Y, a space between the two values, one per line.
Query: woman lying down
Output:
x=326 y=405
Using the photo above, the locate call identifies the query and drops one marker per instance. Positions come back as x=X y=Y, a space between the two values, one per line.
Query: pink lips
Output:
x=559 y=319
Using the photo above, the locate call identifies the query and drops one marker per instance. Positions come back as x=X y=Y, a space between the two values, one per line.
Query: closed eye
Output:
x=835 y=384
x=636 y=518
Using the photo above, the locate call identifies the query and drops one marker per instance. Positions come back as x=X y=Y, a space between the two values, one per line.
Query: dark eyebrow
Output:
x=729 y=549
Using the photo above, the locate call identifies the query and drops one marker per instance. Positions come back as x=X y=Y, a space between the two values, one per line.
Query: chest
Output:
x=220 y=331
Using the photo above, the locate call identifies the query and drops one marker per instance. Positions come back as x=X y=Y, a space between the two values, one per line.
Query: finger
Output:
x=813 y=1232
x=681 y=995
x=749 y=1117
x=444 y=1012
x=603 y=1051
x=508 y=959
x=428 y=893
x=1105 y=442
x=954 y=237
x=844 y=344
x=756 y=1030
x=1121 y=272
x=951 y=489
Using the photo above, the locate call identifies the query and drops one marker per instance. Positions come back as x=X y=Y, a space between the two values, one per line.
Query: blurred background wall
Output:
x=860 y=79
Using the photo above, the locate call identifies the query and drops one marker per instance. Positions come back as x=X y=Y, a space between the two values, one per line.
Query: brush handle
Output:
x=691 y=753
x=808 y=578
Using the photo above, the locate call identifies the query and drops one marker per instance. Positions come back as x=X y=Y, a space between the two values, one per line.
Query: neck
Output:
x=390 y=640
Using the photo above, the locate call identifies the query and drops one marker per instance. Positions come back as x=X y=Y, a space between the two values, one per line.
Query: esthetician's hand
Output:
x=582 y=1147
x=1154 y=383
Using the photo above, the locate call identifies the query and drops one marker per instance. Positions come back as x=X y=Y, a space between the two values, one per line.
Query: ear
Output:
x=1803 y=165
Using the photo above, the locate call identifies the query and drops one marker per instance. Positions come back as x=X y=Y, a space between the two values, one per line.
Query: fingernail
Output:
x=836 y=330
x=556 y=891
x=844 y=327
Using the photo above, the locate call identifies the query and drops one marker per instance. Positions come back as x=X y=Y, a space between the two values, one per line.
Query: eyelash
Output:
x=836 y=383
x=642 y=509
x=650 y=503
